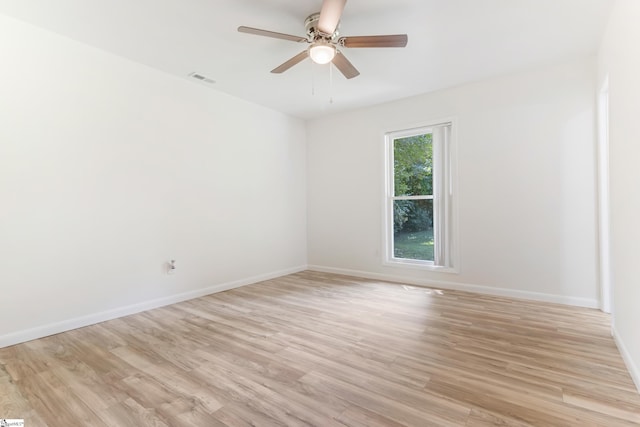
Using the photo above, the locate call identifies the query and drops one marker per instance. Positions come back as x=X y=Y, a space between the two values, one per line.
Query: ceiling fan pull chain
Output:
x=313 y=78
x=330 y=84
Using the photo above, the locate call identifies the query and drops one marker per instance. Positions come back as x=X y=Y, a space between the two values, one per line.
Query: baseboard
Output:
x=633 y=369
x=512 y=293
x=79 y=322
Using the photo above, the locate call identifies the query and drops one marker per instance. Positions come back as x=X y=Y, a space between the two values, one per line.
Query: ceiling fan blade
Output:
x=272 y=34
x=330 y=15
x=346 y=68
x=290 y=63
x=395 y=40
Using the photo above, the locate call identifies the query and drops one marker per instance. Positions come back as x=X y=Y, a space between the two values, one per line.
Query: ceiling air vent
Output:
x=200 y=77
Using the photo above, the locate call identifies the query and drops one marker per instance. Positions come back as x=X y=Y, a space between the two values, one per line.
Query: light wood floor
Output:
x=326 y=350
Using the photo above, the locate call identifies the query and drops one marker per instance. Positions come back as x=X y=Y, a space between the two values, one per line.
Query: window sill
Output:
x=420 y=265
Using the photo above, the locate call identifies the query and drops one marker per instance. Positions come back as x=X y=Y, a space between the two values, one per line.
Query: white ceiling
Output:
x=450 y=42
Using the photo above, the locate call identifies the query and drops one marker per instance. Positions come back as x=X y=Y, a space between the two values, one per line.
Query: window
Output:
x=419 y=197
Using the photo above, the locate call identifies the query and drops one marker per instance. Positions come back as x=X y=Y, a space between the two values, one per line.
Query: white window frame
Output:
x=444 y=199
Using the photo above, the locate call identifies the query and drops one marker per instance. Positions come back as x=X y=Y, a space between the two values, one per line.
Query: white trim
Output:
x=480 y=289
x=634 y=370
x=604 y=222
x=79 y=322
x=454 y=236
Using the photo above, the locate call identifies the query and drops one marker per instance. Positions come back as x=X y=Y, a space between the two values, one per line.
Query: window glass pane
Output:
x=413 y=229
x=413 y=165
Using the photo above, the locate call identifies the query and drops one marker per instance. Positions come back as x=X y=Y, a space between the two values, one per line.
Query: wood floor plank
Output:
x=481 y=418
x=317 y=349
x=12 y=401
x=303 y=404
x=55 y=403
x=196 y=417
x=247 y=393
x=355 y=416
x=609 y=405
x=395 y=410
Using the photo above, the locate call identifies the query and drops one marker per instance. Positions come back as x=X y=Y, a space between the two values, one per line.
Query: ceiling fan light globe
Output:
x=322 y=53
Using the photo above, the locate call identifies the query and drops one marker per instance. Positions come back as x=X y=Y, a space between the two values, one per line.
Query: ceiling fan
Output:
x=323 y=39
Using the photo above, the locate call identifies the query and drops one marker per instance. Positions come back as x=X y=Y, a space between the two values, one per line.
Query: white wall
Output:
x=108 y=169
x=620 y=61
x=527 y=206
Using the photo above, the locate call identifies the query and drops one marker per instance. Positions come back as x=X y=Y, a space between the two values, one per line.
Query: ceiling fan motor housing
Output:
x=311 y=27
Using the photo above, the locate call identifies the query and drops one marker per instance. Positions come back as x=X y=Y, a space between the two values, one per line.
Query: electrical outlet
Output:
x=171 y=267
